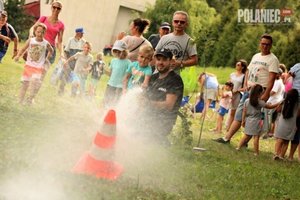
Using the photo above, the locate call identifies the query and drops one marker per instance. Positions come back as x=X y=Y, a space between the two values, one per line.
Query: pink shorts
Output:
x=31 y=73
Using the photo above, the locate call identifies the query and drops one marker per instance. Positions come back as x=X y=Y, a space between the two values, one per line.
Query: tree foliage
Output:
x=17 y=18
x=221 y=40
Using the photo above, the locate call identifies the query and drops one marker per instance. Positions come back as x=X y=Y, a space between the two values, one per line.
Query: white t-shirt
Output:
x=225 y=101
x=278 y=88
x=237 y=81
x=82 y=62
x=36 y=56
x=133 y=42
x=259 y=69
x=73 y=43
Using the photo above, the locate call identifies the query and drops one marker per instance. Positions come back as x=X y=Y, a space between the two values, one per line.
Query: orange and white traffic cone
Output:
x=98 y=161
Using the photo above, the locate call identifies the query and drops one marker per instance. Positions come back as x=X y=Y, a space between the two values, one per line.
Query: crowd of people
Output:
x=253 y=92
x=264 y=101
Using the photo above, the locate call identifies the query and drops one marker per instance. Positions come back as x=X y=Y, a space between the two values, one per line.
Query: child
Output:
x=226 y=96
x=118 y=66
x=286 y=126
x=251 y=118
x=96 y=72
x=36 y=62
x=84 y=60
x=140 y=71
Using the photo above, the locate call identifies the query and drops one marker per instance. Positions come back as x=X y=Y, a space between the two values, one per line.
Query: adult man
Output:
x=164 y=94
x=164 y=29
x=7 y=34
x=180 y=43
x=262 y=70
x=74 y=45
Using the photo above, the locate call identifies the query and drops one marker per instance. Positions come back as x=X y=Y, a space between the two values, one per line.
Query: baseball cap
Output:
x=165 y=25
x=164 y=52
x=79 y=30
x=3 y=12
x=119 y=45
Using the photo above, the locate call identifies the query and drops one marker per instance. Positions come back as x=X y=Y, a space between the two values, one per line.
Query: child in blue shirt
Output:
x=140 y=71
x=118 y=67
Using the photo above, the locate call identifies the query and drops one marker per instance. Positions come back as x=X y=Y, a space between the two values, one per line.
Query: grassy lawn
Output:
x=40 y=144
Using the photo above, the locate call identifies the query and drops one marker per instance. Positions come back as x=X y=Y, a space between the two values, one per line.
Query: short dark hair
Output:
x=267 y=36
x=229 y=83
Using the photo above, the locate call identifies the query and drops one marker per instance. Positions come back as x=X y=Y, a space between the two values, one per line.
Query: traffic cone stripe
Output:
x=101 y=154
x=104 y=141
x=101 y=169
x=108 y=130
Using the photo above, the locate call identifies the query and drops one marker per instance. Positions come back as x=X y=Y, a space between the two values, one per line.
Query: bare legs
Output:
x=33 y=87
x=230 y=118
x=206 y=107
x=235 y=126
x=246 y=138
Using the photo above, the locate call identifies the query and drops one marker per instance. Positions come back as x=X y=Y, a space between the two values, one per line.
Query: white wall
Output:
x=101 y=19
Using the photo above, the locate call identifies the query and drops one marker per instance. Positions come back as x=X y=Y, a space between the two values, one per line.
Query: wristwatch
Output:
x=181 y=64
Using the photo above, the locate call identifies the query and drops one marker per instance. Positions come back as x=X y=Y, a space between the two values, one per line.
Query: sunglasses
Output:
x=179 y=22
x=265 y=44
x=56 y=7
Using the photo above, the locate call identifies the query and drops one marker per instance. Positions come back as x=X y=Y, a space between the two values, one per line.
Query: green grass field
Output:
x=40 y=144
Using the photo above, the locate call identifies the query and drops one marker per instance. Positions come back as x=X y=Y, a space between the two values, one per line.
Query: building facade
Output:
x=102 y=20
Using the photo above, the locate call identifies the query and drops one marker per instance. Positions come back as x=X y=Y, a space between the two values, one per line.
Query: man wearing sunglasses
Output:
x=262 y=70
x=180 y=43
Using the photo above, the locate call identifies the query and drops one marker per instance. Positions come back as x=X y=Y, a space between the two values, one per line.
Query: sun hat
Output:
x=119 y=45
x=3 y=12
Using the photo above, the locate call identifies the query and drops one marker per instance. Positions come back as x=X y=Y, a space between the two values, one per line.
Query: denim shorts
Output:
x=239 y=111
x=222 y=111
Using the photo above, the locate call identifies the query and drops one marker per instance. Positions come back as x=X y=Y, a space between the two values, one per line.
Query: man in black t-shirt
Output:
x=164 y=93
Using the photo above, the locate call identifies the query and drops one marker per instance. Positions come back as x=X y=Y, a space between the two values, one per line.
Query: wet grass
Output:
x=40 y=144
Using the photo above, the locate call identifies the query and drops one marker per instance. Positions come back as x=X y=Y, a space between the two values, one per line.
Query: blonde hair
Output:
x=58 y=2
x=282 y=67
x=89 y=45
x=148 y=50
x=99 y=55
x=180 y=12
x=42 y=25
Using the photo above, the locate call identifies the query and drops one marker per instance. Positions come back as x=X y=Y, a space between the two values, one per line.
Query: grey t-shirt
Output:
x=82 y=63
x=181 y=46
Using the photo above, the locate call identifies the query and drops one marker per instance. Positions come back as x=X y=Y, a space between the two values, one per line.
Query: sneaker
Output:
x=276 y=157
x=221 y=140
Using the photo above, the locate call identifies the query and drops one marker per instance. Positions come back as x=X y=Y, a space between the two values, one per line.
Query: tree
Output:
x=162 y=11
x=17 y=18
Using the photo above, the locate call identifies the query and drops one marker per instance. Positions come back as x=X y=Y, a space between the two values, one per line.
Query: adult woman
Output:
x=55 y=29
x=237 y=78
x=135 y=40
x=209 y=85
